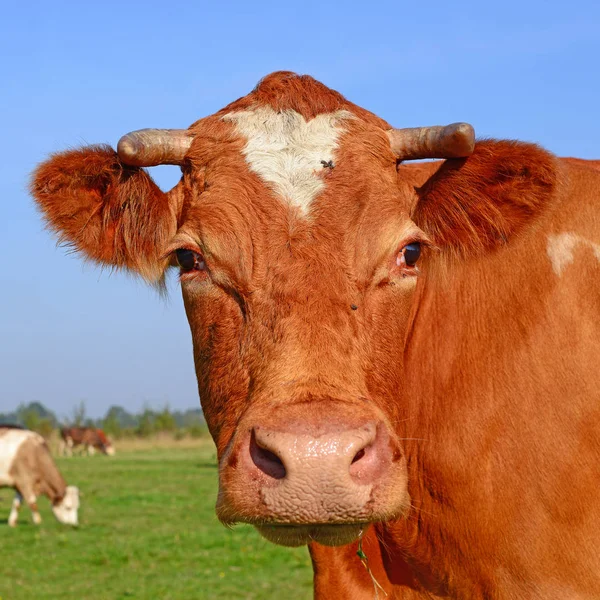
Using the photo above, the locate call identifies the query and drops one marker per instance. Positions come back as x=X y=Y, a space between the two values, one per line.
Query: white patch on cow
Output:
x=65 y=448
x=66 y=510
x=560 y=249
x=286 y=151
x=10 y=442
x=14 y=511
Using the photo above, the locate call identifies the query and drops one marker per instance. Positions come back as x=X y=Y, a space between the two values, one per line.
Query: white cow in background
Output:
x=27 y=466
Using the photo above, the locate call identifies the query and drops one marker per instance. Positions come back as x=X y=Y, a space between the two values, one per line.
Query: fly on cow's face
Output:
x=327 y=164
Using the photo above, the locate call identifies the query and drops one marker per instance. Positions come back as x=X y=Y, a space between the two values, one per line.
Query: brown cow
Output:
x=88 y=438
x=409 y=355
x=27 y=466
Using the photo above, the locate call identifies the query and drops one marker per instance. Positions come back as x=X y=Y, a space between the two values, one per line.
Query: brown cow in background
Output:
x=89 y=439
x=27 y=466
x=409 y=356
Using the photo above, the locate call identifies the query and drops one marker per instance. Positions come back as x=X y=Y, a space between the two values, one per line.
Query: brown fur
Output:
x=486 y=366
x=284 y=90
x=475 y=204
x=36 y=473
x=113 y=214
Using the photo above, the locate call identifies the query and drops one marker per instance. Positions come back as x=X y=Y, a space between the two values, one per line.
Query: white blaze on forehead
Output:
x=560 y=249
x=286 y=151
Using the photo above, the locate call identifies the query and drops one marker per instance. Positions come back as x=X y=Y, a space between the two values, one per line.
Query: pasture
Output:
x=147 y=530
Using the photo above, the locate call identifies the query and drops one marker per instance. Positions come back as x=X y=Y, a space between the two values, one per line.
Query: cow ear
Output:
x=472 y=205
x=111 y=213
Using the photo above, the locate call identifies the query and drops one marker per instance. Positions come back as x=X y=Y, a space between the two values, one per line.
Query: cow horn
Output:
x=151 y=147
x=452 y=141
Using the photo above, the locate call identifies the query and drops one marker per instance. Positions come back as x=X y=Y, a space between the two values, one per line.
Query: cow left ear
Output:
x=109 y=212
x=472 y=205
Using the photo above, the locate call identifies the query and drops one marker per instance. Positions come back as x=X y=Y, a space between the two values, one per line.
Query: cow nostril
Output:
x=267 y=455
x=364 y=465
x=358 y=456
x=268 y=462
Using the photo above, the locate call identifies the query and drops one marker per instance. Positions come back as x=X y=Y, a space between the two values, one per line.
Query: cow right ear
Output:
x=111 y=213
x=474 y=205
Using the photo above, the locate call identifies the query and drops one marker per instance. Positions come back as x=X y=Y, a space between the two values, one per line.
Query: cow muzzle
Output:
x=301 y=474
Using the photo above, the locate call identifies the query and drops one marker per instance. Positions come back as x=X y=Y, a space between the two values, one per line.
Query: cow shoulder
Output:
x=34 y=467
x=475 y=204
x=17 y=453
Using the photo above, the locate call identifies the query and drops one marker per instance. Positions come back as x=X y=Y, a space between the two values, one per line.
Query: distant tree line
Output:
x=117 y=422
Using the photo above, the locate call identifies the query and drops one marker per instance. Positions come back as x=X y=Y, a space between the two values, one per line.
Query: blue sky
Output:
x=73 y=73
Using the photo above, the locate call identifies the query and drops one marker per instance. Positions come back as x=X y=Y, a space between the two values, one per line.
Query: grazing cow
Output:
x=27 y=466
x=88 y=438
x=400 y=362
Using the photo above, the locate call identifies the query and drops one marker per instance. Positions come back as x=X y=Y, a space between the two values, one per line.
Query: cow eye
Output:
x=189 y=260
x=409 y=255
x=412 y=252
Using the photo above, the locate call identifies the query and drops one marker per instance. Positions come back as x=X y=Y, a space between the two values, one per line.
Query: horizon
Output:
x=72 y=331
x=69 y=415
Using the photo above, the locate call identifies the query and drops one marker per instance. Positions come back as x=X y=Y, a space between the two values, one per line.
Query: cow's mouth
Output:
x=299 y=535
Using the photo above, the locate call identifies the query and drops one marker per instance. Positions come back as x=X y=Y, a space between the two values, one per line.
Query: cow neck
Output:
x=56 y=490
x=461 y=361
x=53 y=484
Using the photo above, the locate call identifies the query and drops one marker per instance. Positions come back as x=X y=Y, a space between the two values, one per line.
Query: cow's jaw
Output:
x=299 y=535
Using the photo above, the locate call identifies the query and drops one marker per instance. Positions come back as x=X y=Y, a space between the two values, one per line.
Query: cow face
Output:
x=298 y=282
x=299 y=265
x=66 y=510
x=109 y=450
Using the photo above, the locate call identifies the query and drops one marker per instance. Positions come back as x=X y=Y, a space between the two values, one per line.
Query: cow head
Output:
x=66 y=509
x=105 y=444
x=300 y=245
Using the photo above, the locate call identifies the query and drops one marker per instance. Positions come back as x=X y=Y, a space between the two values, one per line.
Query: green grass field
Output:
x=147 y=530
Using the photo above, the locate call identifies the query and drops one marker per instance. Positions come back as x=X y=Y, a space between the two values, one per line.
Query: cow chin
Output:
x=300 y=535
